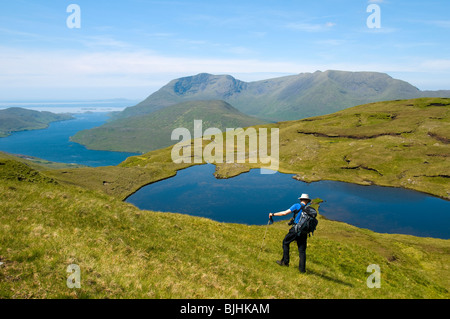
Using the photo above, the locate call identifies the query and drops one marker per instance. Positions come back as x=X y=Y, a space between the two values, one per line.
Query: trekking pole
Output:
x=267 y=227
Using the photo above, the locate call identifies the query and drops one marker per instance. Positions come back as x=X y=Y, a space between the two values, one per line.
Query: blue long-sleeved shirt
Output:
x=296 y=209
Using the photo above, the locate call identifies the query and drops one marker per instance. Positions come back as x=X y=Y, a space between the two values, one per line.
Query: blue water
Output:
x=53 y=143
x=248 y=199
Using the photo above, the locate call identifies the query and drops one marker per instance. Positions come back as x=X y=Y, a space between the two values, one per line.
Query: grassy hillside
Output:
x=17 y=119
x=122 y=252
x=399 y=143
x=153 y=131
x=38 y=163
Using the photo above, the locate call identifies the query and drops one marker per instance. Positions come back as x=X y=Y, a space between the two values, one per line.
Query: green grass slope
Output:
x=17 y=119
x=399 y=143
x=38 y=163
x=153 y=131
x=123 y=252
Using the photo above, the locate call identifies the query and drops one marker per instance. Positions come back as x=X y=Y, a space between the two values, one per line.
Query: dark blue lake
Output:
x=248 y=199
x=53 y=143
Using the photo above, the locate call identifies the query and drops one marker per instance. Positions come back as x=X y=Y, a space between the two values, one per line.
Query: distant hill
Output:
x=148 y=132
x=17 y=119
x=285 y=98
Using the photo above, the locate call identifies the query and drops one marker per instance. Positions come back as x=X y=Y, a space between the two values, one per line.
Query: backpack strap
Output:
x=302 y=208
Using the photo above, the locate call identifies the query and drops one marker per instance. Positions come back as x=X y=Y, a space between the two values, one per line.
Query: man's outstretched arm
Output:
x=283 y=213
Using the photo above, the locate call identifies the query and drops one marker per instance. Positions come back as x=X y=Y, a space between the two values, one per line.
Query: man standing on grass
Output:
x=292 y=235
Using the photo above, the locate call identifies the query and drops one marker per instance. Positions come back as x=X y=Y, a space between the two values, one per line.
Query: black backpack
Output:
x=308 y=221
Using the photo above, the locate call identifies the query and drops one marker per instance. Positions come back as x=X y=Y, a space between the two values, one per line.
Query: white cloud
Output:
x=103 y=41
x=102 y=69
x=437 y=65
x=441 y=23
x=241 y=51
x=382 y=30
x=310 y=27
x=68 y=67
x=55 y=70
x=258 y=34
x=331 y=42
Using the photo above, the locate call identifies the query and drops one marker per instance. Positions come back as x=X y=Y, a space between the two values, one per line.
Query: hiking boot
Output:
x=282 y=263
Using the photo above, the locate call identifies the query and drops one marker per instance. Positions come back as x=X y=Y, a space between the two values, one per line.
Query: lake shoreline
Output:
x=297 y=176
x=367 y=222
x=53 y=143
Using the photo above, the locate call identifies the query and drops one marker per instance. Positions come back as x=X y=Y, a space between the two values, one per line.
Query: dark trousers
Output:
x=301 y=243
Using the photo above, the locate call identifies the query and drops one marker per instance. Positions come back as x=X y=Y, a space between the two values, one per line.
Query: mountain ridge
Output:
x=290 y=97
x=284 y=98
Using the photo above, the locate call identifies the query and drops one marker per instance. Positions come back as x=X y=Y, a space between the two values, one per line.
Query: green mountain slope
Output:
x=18 y=119
x=285 y=98
x=122 y=252
x=153 y=131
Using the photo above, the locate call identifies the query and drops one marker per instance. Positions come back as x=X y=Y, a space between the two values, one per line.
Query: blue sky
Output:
x=131 y=48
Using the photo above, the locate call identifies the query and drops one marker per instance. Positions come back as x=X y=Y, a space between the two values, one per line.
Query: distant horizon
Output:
x=71 y=106
x=155 y=89
x=67 y=101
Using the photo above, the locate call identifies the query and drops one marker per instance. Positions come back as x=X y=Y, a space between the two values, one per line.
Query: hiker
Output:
x=292 y=235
